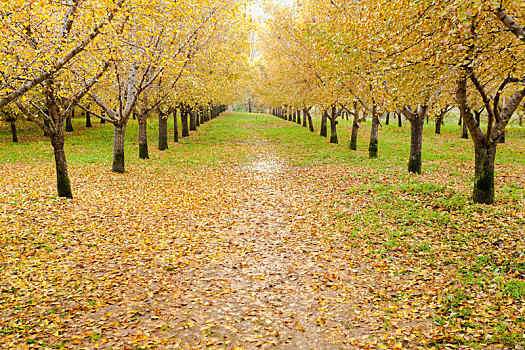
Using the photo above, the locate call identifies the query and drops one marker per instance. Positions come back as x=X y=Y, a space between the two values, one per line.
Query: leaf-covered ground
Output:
x=255 y=233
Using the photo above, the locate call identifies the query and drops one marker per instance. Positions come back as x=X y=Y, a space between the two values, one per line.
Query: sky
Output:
x=258 y=12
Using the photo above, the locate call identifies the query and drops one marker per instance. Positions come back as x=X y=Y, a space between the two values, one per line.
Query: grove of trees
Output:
x=413 y=58
x=115 y=59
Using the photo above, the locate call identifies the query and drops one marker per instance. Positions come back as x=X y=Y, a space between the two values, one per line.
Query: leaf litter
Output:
x=257 y=255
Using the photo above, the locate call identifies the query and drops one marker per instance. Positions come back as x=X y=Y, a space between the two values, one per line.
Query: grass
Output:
x=414 y=224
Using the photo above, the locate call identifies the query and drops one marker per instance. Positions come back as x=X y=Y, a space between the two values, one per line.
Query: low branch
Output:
x=511 y=24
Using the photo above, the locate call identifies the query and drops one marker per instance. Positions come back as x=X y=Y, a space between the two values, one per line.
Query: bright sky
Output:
x=258 y=12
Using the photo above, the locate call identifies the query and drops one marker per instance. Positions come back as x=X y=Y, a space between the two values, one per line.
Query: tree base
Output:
x=372 y=150
x=414 y=165
x=64 y=186
x=143 y=151
x=118 y=163
x=484 y=180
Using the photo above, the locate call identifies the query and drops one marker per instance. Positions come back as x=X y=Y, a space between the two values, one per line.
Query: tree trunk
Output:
x=502 y=137
x=355 y=132
x=324 y=120
x=400 y=120
x=88 y=120
x=387 y=122
x=63 y=182
x=306 y=113
x=143 y=136
x=298 y=112
x=48 y=124
x=119 y=134
x=184 y=122
x=484 y=181
x=14 y=133
x=439 y=122
x=193 y=120
x=103 y=121
x=333 y=126
x=294 y=116
x=69 y=124
x=333 y=130
x=477 y=115
x=460 y=121
x=416 y=144
x=203 y=115
x=175 y=127
x=163 y=132
x=521 y=120
x=197 y=118
x=304 y=119
x=464 y=133
x=374 y=133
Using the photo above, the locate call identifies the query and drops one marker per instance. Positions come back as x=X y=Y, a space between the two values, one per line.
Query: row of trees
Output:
x=118 y=58
x=411 y=57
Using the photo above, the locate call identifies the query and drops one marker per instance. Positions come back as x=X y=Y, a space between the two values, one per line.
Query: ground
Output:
x=255 y=233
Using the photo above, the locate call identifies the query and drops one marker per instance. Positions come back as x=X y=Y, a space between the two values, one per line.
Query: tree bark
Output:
x=399 y=120
x=355 y=132
x=88 y=120
x=69 y=124
x=387 y=122
x=203 y=115
x=103 y=121
x=324 y=120
x=119 y=134
x=464 y=131
x=306 y=113
x=163 y=132
x=175 y=127
x=193 y=120
x=298 y=112
x=63 y=182
x=143 y=136
x=374 y=134
x=184 y=122
x=333 y=126
x=14 y=133
x=304 y=119
x=439 y=123
x=333 y=131
x=477 y=116
x=197 y=118
x=48 y=124
x=416 y=143
x=484 y=180
x=502 y=137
